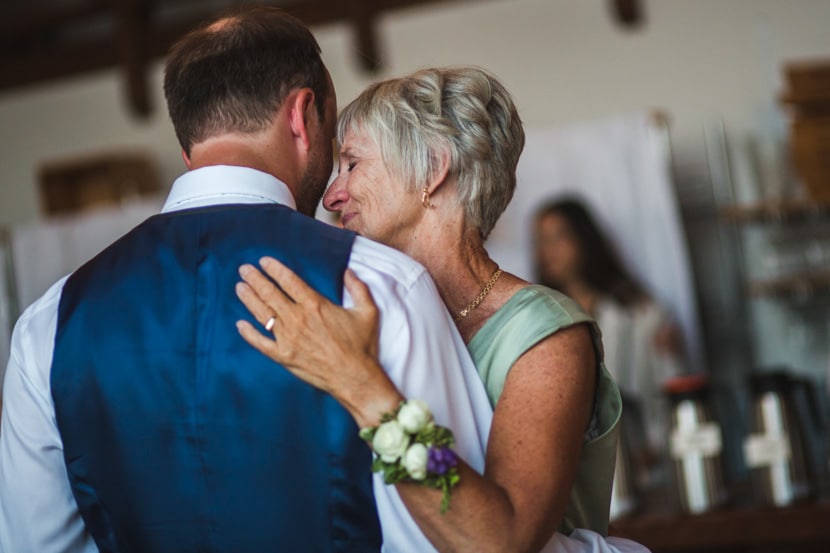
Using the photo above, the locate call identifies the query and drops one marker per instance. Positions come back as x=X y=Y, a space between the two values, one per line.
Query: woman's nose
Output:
x=336 y=196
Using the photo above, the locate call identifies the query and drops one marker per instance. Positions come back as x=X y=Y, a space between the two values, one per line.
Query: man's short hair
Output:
x=232 y=74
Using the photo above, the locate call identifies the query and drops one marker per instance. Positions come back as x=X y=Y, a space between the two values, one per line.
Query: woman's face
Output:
x=370 y=199
x=557 y=249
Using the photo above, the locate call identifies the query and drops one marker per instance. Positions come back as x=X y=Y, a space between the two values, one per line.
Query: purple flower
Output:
x=440 y=460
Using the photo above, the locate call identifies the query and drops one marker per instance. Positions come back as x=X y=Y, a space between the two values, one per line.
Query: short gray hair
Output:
x=461 y=111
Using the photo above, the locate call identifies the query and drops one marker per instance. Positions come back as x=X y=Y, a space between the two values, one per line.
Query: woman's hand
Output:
x=331 y=348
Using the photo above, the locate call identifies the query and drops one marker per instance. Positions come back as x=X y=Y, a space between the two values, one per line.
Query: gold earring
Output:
x=425 y=198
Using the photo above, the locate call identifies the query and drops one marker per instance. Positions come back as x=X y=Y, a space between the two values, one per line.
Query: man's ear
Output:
x=300 y=114
x=186 y=159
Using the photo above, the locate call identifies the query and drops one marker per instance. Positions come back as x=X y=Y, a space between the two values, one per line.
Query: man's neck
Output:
x=243 y=151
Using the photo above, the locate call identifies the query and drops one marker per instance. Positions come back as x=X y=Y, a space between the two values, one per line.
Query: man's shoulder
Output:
x=46 y=306
x=31 y=342
x=372 y=259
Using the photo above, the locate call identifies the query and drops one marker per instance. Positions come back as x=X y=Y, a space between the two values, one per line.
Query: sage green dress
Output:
x=530 y=315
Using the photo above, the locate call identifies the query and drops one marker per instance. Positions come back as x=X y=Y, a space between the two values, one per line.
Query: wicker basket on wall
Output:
x=106 y=178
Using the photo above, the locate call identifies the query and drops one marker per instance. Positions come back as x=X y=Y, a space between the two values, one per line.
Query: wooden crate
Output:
x=807 y=92
x=810 y=147
x=808 y=81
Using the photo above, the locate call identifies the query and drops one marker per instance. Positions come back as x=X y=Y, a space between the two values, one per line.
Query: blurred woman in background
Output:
x=643 y=346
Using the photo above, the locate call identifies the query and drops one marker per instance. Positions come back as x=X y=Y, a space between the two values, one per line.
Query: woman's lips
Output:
x=346 y=217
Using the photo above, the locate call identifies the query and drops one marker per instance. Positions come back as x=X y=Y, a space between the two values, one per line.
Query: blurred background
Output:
x=696 y=133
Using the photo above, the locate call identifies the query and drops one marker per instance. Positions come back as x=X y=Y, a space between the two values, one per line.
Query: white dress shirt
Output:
x=419 y=348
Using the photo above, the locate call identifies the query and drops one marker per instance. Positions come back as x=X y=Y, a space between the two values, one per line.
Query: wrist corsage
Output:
x=410 y=447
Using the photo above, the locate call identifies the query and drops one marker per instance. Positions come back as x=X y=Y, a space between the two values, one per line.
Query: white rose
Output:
x=415 y=461
x=414 y=415
x=390 y=441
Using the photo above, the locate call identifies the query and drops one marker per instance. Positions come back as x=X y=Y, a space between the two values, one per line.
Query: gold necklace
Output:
x=480 y=298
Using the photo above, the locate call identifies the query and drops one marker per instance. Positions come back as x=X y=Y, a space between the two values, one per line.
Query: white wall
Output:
x=565 y=61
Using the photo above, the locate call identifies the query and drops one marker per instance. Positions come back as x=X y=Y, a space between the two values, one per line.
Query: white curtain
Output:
x=620 y=168
x=45 y=250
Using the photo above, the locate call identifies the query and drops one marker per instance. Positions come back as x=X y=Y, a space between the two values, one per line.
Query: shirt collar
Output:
x=226 y=184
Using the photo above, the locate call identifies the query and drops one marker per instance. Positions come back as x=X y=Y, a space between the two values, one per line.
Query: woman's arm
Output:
x=532 y=455
x=537 y=432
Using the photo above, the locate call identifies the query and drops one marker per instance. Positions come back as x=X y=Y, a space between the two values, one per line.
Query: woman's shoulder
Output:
x=531 y=314
x=544 y=305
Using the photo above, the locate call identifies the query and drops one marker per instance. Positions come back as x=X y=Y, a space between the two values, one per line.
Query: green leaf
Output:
x=368 y=433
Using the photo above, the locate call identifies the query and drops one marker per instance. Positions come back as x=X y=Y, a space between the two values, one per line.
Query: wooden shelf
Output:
x=775 y=212
x=802 y=528
x=801 y=284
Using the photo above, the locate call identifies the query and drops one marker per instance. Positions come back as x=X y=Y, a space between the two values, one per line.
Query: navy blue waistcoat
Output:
x=178 y=436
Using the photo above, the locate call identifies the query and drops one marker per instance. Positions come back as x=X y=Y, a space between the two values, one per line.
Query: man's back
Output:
x=177 y=435
x=419 y=349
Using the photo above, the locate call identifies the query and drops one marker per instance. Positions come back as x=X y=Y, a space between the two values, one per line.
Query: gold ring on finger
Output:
x=269 y=324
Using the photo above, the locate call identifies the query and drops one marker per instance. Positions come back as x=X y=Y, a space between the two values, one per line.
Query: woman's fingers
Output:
x=254 y=303
x=255 y=338
x=304 y=321
x=291 y=284
x=270 y=295
x=291 y=300
x=318 y=341
x=362 y=296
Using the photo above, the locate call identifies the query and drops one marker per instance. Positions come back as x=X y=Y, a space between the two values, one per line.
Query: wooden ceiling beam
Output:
x=364 y=13
x=628 y=13
x=136 y=38
x=133 y=28
x=45 y=18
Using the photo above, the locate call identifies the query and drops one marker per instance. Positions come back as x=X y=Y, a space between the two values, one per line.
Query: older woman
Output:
x=427 y=166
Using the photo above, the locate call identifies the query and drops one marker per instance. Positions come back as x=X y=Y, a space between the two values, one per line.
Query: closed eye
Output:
x=344 y=165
